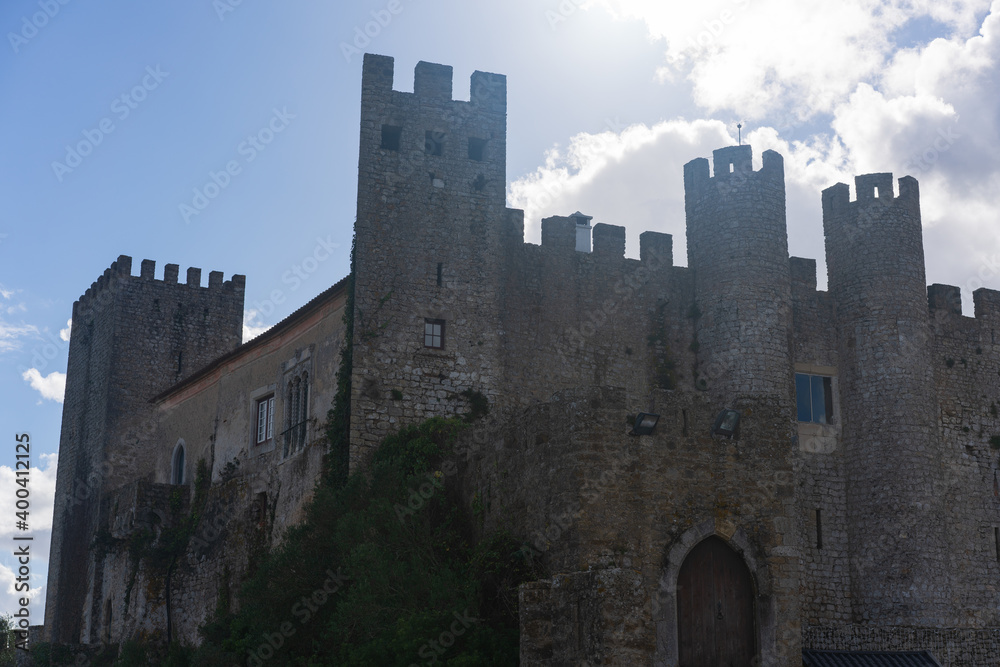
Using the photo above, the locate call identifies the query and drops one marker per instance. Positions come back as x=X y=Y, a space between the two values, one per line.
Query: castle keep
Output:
x=855 y=504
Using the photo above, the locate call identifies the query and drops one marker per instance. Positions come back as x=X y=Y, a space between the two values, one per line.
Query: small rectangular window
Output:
x=391 y=137
x=434 y=143
x=265 y=419
x=434 y=334
x=477 y=149
x=814 y=398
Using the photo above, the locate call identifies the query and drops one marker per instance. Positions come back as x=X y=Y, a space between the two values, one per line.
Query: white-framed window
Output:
x=814 y=398
x=265 y=419
x=434 y=334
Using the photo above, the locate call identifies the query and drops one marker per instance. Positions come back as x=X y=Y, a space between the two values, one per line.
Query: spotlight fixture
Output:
x=645 y=422
x=727 y=423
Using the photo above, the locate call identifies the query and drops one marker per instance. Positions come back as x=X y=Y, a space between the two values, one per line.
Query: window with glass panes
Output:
x=434 y=333
x=265 y=419
x=814 y=398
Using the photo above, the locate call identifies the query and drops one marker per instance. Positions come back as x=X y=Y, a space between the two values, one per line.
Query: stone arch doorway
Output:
x=715 y=608
x=665 y=603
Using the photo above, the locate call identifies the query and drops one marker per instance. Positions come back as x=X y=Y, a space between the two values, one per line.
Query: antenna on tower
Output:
x=739 y=132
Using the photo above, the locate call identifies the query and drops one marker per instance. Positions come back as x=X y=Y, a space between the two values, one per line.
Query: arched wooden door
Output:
x=715 y=608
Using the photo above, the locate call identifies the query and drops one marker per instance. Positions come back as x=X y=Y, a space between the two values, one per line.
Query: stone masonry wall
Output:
x=967 y=373
x=587 y=496
x=895 y=497
x=257 y=490
x=822 y=489
x=738 y=251
x=574 y=319
x=431 y=210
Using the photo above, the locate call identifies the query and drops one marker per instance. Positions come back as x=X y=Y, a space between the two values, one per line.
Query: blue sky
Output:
x=607 y=100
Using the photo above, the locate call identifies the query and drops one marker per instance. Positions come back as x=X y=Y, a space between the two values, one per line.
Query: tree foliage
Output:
x=383 y=571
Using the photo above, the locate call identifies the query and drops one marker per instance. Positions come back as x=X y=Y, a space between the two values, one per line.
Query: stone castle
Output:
x=719 y=464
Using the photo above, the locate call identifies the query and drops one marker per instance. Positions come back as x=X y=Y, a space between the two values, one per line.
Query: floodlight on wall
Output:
x=727 y=423
x=645 y=422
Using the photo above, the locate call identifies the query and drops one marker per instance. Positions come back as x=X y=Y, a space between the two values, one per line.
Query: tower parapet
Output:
x=738 y=251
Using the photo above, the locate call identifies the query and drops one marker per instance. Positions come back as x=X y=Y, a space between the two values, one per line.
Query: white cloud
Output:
x=937 y=117
x=51 y=386
x=42 y=487
x=635 y=178
x=833 y=77
x=253 y=326
x=10 y=335
x=65 y=333
x=760 y=57
x=6 y=293
x=632 y=178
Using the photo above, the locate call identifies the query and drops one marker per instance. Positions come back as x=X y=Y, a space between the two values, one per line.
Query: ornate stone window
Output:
x=296 y=412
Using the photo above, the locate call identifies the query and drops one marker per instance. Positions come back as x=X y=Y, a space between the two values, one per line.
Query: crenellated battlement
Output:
x=559 y=234
x=732 y=166
x=945 y=299
x=986 y=303
x=871 y=190
x=432 y=83
x=121 y=271
x=803 y=272
x=171 y=273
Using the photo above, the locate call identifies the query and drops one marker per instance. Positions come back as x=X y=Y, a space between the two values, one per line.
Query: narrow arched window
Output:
x=177 y=465
x=296 y=417
x=303 y=408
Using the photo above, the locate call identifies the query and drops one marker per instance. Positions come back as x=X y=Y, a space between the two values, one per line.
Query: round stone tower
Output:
x=738 y=251
x=875 y=258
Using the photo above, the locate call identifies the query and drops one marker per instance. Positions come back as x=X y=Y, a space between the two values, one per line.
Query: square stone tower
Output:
x=428 y=248
x=133 y=337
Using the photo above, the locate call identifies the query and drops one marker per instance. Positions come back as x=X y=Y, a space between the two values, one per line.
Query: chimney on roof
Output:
x=582 y=231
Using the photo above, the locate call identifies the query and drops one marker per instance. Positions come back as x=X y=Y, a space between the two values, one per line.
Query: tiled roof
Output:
x=814 y=658
x=284 y=325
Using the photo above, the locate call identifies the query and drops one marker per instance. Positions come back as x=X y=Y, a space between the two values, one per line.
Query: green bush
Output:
x=380 y=573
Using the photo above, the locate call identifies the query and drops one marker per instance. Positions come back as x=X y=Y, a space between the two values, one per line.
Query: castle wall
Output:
x=595 y=502
x=570 y=318
x=822 y=489
x=230 y=536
